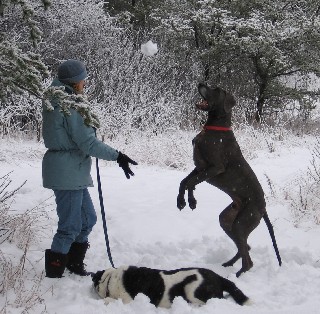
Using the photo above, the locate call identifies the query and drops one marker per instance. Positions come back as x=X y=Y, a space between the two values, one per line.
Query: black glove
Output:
x=123 y=161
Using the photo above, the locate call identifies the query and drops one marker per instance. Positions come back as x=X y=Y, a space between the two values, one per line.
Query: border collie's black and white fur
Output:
x=195 y=285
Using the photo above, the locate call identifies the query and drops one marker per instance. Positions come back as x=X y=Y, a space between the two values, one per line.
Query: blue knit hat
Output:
x=72 y=71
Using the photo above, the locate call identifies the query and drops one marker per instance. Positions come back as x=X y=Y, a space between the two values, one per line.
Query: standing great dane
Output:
x=218 y=160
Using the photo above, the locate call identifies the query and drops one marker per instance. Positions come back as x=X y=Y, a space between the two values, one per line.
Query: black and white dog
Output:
x=195 y=285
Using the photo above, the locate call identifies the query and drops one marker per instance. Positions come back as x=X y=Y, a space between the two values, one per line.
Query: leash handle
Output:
x=103 y=215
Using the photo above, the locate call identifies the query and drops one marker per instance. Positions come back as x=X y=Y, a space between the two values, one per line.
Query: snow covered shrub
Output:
x=19 y=283
x=19 y=288
x=256 y=139
x=22 y=227
x=305 y=196
x=5 y=195
x=141 y=94
x=171 y=149
x=22 y=116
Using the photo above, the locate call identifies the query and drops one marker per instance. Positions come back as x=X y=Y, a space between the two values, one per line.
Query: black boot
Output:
x=76 y=256
x=55 y=263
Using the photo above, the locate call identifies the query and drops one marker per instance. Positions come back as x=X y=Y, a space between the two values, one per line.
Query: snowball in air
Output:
x=149 y=48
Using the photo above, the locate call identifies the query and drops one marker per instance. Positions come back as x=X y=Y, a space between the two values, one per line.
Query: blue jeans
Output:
x=77 y=217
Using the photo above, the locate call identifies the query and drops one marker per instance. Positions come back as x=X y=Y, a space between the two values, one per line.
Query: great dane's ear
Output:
x=203 y=91
x=229 y=102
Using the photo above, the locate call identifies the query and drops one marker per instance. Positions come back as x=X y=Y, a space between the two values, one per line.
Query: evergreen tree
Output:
x=257 y=48
x=21 y=70
x=135 y=12
x=281 y=43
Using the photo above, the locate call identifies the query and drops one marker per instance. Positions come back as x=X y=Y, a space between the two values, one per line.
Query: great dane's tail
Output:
x=234 y=291
x=273 y=238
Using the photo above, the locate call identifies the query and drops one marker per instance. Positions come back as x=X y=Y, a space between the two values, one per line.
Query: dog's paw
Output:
x=192 y=203
x=108 y=300
x=244 y=269
x=181 y=203
x=240 y=272
x=227 y=264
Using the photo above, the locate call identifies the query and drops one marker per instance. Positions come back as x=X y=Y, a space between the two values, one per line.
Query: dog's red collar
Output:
x=216 y=128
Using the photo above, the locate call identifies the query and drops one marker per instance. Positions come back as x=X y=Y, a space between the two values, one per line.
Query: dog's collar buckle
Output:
x=216 y=128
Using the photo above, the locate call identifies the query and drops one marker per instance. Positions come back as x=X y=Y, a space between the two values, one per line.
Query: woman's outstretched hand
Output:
x=123 y=161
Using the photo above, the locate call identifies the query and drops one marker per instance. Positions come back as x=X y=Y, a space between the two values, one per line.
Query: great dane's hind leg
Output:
x=247 y=220
x=181 y=203
x=243 y=253
x=246 y=259
x=232 y=222
x=229 y=215
x=234 y=259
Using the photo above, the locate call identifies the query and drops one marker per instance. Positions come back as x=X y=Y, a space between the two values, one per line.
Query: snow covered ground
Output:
x=146 y=229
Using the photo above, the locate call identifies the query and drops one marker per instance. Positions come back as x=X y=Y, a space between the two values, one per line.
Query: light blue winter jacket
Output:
x=67 y=163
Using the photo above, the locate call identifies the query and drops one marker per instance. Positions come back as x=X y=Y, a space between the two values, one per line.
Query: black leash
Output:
x=103 y=215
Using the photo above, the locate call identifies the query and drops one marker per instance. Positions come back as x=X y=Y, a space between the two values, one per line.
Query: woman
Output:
x=70 y=139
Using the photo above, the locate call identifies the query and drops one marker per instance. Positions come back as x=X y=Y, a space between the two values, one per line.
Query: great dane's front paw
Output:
x=181 y=203
x=192 y=202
